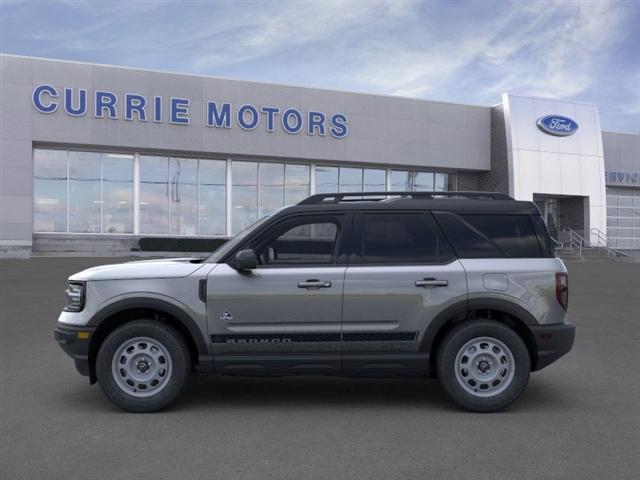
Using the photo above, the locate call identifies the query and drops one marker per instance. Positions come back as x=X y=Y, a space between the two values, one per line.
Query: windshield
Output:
x=229 y=245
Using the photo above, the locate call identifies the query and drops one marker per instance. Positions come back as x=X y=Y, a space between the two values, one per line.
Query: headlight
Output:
x=75 y=297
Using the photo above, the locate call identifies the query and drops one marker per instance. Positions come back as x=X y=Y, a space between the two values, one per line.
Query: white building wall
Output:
x=545 y=164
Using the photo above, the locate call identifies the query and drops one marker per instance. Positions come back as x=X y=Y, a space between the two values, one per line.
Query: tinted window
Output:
x=544 y=238
x=309 y=241
x=487 y=236
x=400 y=238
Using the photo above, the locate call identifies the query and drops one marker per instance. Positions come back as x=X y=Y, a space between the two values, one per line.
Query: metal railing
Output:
x=576 y=242
x=602 y=244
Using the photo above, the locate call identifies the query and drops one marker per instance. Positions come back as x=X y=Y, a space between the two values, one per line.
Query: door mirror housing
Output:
x=245 y=260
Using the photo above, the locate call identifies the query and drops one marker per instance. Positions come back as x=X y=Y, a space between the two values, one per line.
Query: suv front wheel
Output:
x=143 y=365
x=483 y=365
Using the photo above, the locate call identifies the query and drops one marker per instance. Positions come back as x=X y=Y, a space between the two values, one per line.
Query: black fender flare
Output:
x=183 y=317
x=465 y=306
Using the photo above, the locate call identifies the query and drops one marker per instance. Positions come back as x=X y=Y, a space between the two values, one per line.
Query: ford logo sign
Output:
x=557 y=125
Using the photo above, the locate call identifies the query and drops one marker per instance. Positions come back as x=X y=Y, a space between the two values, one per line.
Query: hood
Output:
x=162 y=268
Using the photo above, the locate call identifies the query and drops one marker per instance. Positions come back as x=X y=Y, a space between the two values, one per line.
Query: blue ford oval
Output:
x=557 y=125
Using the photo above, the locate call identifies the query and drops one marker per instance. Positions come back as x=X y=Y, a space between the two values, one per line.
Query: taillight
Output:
x=562 y=290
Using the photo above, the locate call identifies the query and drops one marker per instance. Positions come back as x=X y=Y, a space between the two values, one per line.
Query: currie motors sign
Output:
x=132 y=106
x=557 y=125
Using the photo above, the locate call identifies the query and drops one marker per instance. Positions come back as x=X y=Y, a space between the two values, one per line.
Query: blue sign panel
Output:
x=136 y=107
x=557 y=125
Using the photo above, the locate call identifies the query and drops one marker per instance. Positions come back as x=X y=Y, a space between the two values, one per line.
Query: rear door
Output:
x=285 y=315
x=401 y=274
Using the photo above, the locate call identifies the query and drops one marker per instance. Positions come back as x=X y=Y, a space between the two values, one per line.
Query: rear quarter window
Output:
x=490 y=235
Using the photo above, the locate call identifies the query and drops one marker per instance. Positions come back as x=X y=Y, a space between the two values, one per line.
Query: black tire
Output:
x=176 y=348
x=446 y=367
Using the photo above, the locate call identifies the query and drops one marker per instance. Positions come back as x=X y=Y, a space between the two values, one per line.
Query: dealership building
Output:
x=96 y=158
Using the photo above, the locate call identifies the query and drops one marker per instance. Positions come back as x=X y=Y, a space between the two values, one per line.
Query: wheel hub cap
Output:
x=141 y=366
x=484 y=367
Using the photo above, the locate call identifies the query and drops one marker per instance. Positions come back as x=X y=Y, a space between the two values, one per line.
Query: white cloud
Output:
x=545 y=49
x=259 y=32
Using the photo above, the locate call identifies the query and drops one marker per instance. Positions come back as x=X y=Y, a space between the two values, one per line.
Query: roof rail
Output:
x=379 y=196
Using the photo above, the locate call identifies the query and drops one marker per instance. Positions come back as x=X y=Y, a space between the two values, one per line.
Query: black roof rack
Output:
x=325 y=198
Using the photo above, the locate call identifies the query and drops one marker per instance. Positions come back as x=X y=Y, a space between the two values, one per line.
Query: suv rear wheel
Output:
x=483 y=365
x=143 y=365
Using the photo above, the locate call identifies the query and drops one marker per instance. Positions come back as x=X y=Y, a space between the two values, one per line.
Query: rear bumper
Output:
x=72 y=340
x=552 y=342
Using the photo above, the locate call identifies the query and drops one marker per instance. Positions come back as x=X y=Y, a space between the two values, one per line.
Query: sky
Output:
x=456 y=51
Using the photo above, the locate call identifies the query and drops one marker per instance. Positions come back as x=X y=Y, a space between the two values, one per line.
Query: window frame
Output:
x=358 y=231
x=266 y=233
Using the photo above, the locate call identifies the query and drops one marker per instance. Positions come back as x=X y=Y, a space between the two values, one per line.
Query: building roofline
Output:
x=200 y=75
x=620 y=132
x=549 y=99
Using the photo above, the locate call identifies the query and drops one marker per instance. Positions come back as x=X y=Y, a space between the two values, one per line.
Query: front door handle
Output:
x=431 y=283
x=314 y=283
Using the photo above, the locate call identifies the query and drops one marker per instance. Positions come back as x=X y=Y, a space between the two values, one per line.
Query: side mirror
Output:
x=245 y=260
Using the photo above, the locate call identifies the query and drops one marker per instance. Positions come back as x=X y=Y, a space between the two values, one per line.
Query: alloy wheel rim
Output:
x=141 y=367
x=484 y=367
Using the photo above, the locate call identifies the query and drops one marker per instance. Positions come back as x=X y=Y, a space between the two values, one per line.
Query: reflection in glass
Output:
x=296 y=183
x=244 y=195
x=183 y=193
x=154 y=194
x=442 y=182
x=84 y=192
x=117 y=193
x=49 y=190
x=212 y=175
x=270 y=187
x=326 y=179
x=401 y=181
x=350 y=180
x=423 y=181
x=374 y=180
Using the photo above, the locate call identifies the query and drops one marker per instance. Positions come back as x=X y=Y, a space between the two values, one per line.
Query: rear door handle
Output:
x=313 y=283
x=431 y=283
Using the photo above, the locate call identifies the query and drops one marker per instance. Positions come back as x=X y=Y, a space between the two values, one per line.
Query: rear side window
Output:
x=399 y=238
x=490 y=236
x=544 y=237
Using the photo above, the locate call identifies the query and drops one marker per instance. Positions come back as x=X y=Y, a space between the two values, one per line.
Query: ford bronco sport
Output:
x=462 y=286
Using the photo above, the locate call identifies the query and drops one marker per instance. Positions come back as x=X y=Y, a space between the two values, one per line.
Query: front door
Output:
x=285 y=315
x=402 y=273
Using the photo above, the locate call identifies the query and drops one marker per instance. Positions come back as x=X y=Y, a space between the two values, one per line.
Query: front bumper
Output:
x=552 y=342
x=75 y=342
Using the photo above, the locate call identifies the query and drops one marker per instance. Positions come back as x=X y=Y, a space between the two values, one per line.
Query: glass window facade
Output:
x=212 y=197
x=50 y=177
x=154 y=195
x=348 y=179
x=623 y=217
x=244 y=195
x=116 y=193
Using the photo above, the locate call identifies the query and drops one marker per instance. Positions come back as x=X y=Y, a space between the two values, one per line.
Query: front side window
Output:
x=400 y=238
x=302 y=241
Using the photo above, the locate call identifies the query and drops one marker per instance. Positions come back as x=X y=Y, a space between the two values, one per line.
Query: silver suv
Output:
x=462 y=286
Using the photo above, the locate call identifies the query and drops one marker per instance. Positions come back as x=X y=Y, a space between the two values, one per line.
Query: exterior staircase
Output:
x=573 y=246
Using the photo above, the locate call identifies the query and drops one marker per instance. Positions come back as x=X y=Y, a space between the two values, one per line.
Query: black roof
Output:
x=457 y=202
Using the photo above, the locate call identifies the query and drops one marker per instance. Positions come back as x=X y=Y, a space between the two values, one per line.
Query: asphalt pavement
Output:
x=578 y=419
